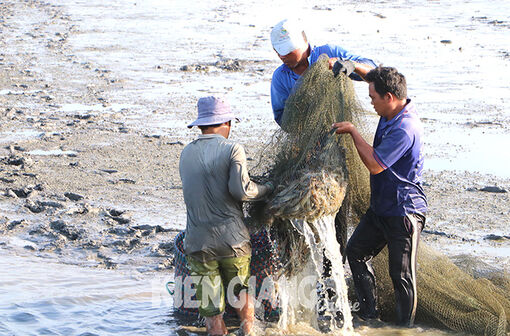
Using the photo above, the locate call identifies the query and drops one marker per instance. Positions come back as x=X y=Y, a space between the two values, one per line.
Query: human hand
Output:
x=346 y=67
x=332 y=62
x=342 y=127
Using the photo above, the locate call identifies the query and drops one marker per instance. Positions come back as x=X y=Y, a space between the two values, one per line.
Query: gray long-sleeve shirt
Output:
x=215 y=181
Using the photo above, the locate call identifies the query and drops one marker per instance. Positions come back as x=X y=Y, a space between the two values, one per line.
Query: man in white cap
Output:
x=215 y=182
x=290 y=43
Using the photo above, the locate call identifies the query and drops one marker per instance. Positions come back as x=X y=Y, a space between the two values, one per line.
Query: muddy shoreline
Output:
x=83 y=181
x=83 y=186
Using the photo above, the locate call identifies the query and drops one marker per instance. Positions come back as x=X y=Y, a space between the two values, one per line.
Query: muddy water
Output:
x=41 y=297
x=455 y=55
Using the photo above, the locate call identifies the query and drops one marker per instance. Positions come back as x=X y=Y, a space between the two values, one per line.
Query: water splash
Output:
x=304 y=297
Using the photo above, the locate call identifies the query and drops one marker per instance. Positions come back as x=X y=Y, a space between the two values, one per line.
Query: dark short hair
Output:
x=211 y=126
x=388 y=79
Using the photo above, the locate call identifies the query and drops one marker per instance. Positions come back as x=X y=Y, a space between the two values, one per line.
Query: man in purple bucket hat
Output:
x=215 y=182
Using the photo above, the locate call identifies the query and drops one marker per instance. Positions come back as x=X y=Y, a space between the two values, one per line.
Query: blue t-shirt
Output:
x=398 y=148
x=284 y=78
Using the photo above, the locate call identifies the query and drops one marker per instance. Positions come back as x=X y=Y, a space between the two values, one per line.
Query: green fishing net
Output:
x=311 y=167
x=318 y=173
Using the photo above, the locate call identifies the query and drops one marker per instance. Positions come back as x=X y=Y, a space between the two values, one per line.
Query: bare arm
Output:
x=362 y=69
x=365 y=151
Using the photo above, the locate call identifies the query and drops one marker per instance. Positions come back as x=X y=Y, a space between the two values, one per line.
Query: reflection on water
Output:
x=40 y=297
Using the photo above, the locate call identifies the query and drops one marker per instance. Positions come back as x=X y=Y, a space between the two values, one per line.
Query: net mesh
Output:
x=317 y=173
x=450 y=297
x=311 y=167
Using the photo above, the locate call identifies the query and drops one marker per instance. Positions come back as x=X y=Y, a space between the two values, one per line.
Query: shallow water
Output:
x=42 y=297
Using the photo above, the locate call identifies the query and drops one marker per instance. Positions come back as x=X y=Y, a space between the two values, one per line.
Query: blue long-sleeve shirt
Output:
x=284 y=78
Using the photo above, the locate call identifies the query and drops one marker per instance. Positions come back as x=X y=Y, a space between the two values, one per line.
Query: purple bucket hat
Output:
x=212 y=111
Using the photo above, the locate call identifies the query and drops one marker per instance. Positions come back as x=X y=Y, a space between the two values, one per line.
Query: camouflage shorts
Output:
x=215 y=276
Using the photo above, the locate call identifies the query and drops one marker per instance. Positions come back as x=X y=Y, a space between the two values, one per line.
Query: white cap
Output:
x=287 y=36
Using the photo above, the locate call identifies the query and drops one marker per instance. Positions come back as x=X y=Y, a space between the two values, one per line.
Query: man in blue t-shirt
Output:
x=397 y=202
x=290 y=43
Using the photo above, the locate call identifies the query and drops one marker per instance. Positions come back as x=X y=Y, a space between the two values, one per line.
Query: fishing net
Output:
x=450 y=297
x=317 y=173
x=311 y=167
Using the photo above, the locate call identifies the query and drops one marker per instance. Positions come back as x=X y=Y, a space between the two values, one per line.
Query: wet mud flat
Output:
x=468 y=218
x=87 y=176
x=82 y=182
x=76 y=181
x=83 y=178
